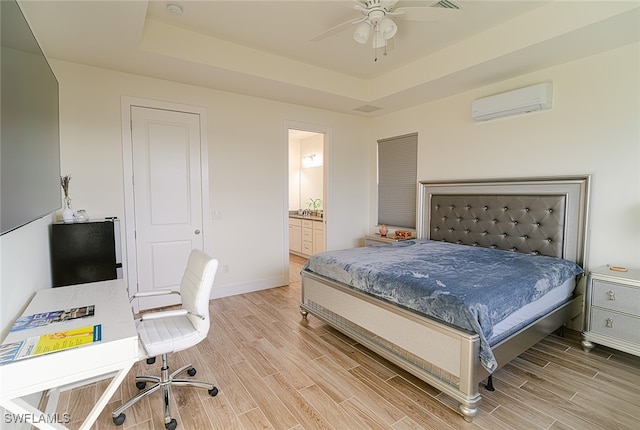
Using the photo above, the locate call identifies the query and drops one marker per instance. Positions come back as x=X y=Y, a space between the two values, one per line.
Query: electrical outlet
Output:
x=225 y=268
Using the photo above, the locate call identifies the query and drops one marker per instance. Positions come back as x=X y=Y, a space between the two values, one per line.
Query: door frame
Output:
x=130 y=260
x=326 y=178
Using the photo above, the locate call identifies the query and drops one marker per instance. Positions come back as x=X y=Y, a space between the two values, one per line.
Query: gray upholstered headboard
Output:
x=546 y=216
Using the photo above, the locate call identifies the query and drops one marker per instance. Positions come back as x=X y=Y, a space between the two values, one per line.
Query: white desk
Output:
x=116 y=353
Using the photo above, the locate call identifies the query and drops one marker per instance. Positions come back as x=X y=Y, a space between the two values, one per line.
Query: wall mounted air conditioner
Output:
x=523 y=100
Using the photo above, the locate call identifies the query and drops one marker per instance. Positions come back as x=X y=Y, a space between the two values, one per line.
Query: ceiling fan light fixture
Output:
x=362 y=33
x=387 y=28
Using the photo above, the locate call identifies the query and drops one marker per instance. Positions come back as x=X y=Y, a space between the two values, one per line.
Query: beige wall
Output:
x=24 y=268
x=247 y=149
x=593 y=128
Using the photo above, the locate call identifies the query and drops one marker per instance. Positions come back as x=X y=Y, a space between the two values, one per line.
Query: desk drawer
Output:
x=616 y=297
x=615 y=324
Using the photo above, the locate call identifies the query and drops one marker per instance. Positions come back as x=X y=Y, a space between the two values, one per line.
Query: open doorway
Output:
x=307 y=192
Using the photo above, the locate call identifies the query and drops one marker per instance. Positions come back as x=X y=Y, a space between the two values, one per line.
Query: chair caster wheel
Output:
x=119 y=420
x=141 y=385
x=191 y=371
x=171 y=425
x=213 y=392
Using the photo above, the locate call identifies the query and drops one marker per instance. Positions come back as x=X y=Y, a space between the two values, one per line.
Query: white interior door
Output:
x=167 y=190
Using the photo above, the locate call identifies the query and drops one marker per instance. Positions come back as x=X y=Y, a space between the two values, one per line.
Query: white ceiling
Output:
x=263 y=48
x=286 y=28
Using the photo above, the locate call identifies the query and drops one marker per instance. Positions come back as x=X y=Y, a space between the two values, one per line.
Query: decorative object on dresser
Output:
x=383 y=230
x=612 y=309
x=67 y=210
x=403 y=234
x=81 y=216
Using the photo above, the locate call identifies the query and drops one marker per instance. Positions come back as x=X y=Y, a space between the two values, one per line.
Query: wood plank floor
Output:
x=277 y=371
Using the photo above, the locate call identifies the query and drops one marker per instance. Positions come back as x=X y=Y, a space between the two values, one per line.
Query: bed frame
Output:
x=546 y=216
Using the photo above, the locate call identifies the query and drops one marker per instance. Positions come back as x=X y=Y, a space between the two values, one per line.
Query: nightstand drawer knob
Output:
x=612 y=295
x=609 y=322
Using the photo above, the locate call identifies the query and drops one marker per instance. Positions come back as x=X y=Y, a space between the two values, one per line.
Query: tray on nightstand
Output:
x=377 y=240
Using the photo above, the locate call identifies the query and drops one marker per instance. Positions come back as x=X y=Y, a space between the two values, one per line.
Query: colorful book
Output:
x=46 y=318
x=51 y=342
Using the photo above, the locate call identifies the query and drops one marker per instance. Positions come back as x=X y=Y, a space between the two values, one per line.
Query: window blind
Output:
x=397 y=179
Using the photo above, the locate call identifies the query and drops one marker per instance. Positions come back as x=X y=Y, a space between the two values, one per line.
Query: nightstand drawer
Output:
x=615 y=324
x=616 y=297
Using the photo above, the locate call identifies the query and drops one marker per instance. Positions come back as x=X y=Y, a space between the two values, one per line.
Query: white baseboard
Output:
x=263 y=284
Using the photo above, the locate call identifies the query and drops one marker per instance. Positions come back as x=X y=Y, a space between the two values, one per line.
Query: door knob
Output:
x=197 y=232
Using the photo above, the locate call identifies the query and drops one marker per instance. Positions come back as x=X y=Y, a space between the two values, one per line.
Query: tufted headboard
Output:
x=546 y=216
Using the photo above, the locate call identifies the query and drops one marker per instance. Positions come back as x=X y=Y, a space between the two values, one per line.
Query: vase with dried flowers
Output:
x=67 y=211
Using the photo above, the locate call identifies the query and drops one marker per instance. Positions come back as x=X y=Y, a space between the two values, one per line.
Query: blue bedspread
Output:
x=469 y=287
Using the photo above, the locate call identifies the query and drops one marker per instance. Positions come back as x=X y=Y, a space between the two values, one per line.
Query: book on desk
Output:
x=50 y=342
x=45 y=318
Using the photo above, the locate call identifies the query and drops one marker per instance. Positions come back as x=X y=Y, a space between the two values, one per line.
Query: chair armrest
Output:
x=163 y=314
x=153 y=293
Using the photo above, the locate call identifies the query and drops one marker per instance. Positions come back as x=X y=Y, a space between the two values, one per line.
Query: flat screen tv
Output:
x=29 y=125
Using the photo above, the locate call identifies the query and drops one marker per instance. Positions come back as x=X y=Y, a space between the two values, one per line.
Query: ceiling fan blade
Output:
x=388 y=4
x=428 y=14
x=359 y=6
x=337 y=29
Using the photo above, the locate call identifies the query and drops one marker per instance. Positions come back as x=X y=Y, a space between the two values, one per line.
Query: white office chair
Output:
x=162 y=332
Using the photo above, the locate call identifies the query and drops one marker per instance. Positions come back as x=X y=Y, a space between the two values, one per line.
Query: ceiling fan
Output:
x=376 y=23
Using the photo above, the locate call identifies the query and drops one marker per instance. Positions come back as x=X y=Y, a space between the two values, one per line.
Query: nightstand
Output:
x=612 y=310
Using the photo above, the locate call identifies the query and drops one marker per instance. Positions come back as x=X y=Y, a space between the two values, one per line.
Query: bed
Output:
x=450 y=337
